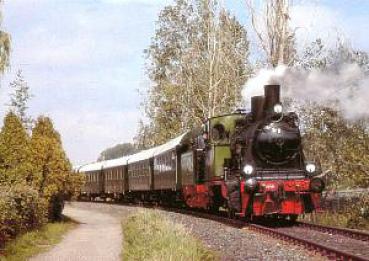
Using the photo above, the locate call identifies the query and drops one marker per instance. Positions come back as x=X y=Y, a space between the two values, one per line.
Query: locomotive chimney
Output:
x=272 y=96
x=257 y=107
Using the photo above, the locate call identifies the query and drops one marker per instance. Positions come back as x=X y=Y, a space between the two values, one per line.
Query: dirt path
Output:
x=98 y=237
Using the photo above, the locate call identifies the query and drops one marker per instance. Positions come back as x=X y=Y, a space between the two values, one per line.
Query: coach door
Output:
x=200 y=159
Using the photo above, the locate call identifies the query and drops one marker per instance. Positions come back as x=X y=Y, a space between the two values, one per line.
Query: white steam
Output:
x=348 y=85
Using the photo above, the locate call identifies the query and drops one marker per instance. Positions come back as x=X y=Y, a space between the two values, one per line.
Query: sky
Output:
x=84 y=61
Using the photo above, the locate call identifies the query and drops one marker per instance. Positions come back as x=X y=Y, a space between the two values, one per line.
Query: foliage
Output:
x=5 y=47
x=318 y=56
x=341 y=146
x=359 y=214
x=21 y=209
x=14 y=151
x=150 y=236
x=52 y=170
x=19 y=99
x=197 y=62
x=34 y=242
x=343 y=212
x=117 y=151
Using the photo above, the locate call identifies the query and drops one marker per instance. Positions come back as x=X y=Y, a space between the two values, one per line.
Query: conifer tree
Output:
x=14 y=151
x=51 y=166
x=19 y=99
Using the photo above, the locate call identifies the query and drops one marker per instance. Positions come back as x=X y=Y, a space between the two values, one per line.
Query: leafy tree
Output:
x=318 y=56
x=341 y=146
x=51 y=167
x=14 y=151
x=19 y=99
x=5 y=47
x=198 y=63
x=117 y=151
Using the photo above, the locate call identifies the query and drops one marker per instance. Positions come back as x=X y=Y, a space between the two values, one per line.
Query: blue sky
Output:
x=84 y=62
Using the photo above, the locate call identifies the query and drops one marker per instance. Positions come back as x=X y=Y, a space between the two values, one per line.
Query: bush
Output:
x=359 y=216
x=56 y=206
x=21 y=209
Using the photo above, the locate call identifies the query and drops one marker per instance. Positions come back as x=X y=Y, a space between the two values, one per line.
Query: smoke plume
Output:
x=347 y=84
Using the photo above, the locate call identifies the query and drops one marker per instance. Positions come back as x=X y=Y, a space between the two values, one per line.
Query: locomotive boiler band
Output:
x=249 y=163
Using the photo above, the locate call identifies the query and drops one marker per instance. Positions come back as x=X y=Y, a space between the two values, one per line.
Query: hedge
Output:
x=21 y=209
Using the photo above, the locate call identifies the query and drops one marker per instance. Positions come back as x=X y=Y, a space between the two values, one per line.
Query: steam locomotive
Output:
x=250 y=164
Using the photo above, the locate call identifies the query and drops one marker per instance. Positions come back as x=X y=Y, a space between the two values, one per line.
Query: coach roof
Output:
x=92 y=167
x=122 y=161
x=142 y=155
x=170 y=145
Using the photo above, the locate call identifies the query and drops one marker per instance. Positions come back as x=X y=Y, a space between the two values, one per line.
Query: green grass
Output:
x=36 y=241
x=148 y=235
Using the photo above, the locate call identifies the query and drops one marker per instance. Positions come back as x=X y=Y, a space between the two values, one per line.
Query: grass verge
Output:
x=148 y=235
x=36 y=241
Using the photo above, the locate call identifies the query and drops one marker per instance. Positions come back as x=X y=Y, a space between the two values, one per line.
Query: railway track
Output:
x=337 y=252
x=355 y=234
x=300 y=238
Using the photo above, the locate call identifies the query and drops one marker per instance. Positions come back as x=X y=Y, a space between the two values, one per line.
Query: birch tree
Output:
x=197 y=62
x=271 y=25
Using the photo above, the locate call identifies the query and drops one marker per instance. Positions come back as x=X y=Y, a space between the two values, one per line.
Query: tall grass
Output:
x=36 y=241
x=148 y=235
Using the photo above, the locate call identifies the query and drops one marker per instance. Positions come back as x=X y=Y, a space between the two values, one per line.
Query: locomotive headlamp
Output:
x=278 y=108
x=250 y=184
x=310 y=167
x=248 y=169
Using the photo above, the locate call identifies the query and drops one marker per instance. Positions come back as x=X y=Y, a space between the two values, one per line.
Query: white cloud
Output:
x=83 y=61
x=313 y=21
x=152 y=2
x=87 y=132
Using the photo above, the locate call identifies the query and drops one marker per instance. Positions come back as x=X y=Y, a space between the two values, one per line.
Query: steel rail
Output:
x=355 y=234
x=308 y=244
